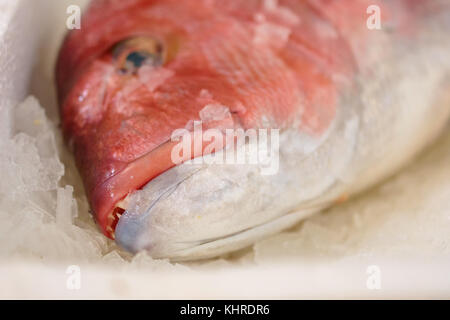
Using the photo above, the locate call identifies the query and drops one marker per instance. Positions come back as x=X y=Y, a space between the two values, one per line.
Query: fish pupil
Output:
x=138 y=58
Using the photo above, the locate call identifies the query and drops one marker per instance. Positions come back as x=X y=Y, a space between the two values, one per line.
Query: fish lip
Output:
x=107 y=195
x=213 y=247
x=131 y=225
x=100 y=202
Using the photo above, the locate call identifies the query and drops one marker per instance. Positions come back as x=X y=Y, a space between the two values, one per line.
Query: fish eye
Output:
x=132 y=54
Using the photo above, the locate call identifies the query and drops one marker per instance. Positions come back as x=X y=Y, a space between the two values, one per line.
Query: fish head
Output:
x=137 y=71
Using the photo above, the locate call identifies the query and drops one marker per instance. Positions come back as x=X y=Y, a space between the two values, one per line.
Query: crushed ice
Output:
x=44 y=217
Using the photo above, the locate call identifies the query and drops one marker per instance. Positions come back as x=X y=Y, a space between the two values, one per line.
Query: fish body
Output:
x=351 y=102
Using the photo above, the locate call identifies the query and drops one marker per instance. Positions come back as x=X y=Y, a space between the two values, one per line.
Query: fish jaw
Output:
x=191 y=207
x=220 y=206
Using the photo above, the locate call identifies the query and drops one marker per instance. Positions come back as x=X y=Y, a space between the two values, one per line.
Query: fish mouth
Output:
x=196 y=202
x=140 y=173
x=131 y=229
x=152 y=224
x=155 y=223
x=132 y=224
x=197 y=211
x=135 y=175
x=191 y=206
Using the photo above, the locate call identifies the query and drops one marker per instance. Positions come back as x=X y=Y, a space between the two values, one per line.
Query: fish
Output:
x=331 y=97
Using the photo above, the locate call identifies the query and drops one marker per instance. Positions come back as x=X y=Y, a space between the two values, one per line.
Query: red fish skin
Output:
x=120 y=129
